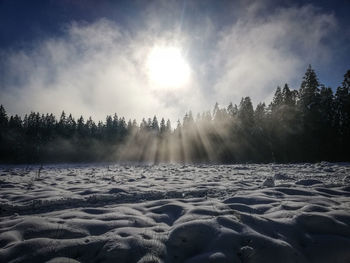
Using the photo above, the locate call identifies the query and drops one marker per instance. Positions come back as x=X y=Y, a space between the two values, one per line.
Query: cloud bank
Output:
x=98 y=68
x=258 y=53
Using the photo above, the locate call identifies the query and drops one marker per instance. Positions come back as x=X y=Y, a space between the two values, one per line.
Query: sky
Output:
x=91 y=58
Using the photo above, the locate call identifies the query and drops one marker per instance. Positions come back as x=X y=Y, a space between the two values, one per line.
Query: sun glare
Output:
x=167 y=68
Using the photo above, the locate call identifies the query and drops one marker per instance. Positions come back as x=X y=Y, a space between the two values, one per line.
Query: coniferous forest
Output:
x=306 y=125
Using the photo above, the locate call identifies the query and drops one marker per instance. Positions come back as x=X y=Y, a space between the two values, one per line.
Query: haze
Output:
x=95 y=61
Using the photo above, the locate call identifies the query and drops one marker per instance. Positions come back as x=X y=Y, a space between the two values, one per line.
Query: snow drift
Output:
x=174 y=213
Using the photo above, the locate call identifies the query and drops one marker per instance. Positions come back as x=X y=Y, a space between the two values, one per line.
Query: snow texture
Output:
x=175 y=213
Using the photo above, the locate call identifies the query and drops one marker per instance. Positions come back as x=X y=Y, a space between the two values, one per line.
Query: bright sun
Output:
x=167 y=68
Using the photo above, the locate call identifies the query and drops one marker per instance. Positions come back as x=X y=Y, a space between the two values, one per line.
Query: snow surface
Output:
x=175 y=213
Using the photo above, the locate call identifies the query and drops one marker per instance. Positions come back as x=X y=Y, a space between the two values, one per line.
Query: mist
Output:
x=309 y=124
x=98 y=68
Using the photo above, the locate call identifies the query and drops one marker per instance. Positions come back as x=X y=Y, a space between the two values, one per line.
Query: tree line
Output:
x=305 y=125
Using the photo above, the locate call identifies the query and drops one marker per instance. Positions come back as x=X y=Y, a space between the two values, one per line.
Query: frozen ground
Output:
x=173 y=213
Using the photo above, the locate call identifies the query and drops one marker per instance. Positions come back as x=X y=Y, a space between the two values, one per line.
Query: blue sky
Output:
x=86 y=57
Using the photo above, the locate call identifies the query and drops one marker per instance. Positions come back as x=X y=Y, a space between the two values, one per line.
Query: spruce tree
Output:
x=155 y=125
x=162 y=126
x=168 y=125
x=246 y=113
x=277 y=100
x=3 y=118
x=309 y=89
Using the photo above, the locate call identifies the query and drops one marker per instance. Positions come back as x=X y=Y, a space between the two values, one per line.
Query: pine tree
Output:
x=91 y=127
x=122 y=129
x=155 y=125
x=232 y=110
x=162 y=126
x=129 y=126
x=288 y=96
x=188 y=120
x=260 y=114
x=63 y=119
x=109 y=123
x=342 y=101
x=168 y=125
x=216 y=109
x=143 y=125
x=277 y=100
x=178 y=125
x=309 y=89
x=81 y=127
x=310 y=116
x=342 y=116
x=326 y=126
x=246 y=113
x=15 y=122
x=133 y=127
x=327 y=106
x=71 y=125
x=115 y=120
x=3 y=118
x=61 y=125
x=149 y=124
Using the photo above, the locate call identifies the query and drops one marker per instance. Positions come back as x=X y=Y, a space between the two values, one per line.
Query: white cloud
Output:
x=258 y=53
x=98 y=69
x=95 y=69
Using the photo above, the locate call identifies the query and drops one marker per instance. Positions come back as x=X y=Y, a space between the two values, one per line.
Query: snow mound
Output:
x=346 y=179
x=308 y=182
x=269 y=182
x=223 y=215
x=281 y=176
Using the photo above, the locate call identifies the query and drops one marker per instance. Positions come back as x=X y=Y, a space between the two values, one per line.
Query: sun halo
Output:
x=167 y=68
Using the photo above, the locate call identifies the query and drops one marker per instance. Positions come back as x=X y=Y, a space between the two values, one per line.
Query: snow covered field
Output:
x=174 y=213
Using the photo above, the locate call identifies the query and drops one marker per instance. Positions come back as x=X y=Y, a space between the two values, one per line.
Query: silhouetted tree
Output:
x=342 y=117
x=162 y=126
x=277 y=100
x=289 y=97
x=246 y=113
x=168 y=125
x=309 y=90
x=143 y=125
x=3 y=117
x=310 y=117
x=309 y=124
x=155 y=125
x=71 y=125
x=81 y=127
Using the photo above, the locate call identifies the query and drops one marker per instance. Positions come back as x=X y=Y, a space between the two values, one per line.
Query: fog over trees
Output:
x=306 y=125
